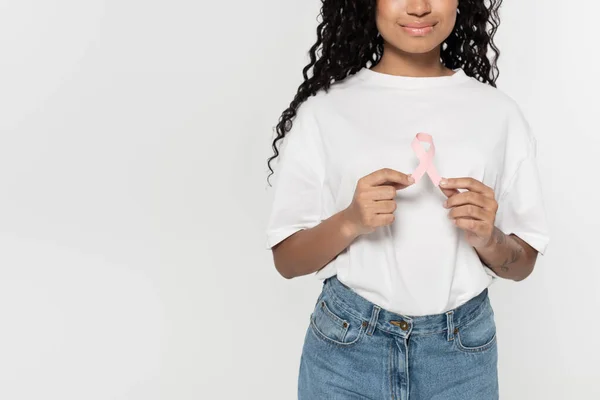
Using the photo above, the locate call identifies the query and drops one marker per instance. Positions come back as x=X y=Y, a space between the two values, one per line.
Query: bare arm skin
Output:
x=372 y=206
x=474 y=211
x=309 y=250
x=508 y=256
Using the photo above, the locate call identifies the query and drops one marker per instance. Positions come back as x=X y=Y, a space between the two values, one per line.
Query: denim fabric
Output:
x=354 y=349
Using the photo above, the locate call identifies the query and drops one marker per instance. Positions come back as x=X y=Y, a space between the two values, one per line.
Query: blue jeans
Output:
x=354 y=349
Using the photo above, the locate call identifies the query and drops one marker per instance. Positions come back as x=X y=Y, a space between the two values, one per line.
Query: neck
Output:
x=397 y=62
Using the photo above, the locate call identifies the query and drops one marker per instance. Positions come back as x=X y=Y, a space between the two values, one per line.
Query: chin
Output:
x=417 y=48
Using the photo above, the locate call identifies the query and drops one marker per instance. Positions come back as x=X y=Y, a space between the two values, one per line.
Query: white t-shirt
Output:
x=421 y=264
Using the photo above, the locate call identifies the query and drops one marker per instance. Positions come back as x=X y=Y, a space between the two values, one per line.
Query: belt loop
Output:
x=450 y=323
x=373 y=321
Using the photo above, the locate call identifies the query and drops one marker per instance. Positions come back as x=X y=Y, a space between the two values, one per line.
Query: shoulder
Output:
x=308 y=112
x=304 y=131
x=501 y=106
x=336 y=92
x=517 y=122
x=502 y=100
x=493 y=96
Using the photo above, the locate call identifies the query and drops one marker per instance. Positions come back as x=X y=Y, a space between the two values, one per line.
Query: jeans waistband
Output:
x=405 y=325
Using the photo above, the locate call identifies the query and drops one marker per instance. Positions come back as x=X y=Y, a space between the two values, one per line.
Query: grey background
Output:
x=134 y=138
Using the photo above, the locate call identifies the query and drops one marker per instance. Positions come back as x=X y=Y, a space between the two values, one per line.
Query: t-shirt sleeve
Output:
x=521 y=208
x=297 y=180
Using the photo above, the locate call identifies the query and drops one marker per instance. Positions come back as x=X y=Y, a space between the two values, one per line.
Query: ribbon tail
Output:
x=434 y=175
x=419 y=172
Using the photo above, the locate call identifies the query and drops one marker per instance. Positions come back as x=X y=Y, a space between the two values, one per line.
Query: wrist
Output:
x=347 y=227
x=496 y=238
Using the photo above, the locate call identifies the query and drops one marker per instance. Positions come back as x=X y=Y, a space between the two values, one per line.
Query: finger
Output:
x=471 y=211
x=383 y=219
x=387 y=175
x=472 y=225
x=397 y=186
x=449 y=192
x=382 y=193
x=468 y=197
x=467 y=183
x=385 y=207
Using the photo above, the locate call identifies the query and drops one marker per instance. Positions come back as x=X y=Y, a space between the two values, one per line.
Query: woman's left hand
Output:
x=474 y=210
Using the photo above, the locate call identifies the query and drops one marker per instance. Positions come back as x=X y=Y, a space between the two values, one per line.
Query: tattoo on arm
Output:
x=499 y=236
x=516 y=251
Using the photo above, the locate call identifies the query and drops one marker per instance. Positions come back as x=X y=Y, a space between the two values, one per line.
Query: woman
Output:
x=402 y=90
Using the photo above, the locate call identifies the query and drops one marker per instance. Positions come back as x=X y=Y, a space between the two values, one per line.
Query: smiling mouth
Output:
x=418 y=30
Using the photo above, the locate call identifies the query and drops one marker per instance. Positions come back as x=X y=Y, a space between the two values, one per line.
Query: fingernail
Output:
x=443 y=182
x=411 y=179
x=446 y=204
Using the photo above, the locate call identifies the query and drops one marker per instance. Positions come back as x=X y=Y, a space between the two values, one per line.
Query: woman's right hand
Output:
x=374 y=203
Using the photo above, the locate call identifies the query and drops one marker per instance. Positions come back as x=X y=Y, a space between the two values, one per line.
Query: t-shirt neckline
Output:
x=412 y=82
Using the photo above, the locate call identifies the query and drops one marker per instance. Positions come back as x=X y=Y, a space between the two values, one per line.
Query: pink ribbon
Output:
x=425 y=158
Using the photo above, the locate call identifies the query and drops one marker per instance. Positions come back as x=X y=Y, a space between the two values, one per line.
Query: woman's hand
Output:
x=373 y=204
x=474 y=210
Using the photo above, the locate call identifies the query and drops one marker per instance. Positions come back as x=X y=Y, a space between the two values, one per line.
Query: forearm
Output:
x=508 y=256
x=309 y=250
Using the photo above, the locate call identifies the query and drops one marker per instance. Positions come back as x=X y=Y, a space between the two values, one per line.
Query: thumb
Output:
x=449 y=192
x=400 y=185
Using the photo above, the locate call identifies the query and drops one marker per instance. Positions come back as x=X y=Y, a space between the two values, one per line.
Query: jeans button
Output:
x=402 y=324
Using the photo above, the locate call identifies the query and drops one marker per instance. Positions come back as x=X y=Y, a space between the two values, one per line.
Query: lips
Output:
x=418 y=28
x=418 y=25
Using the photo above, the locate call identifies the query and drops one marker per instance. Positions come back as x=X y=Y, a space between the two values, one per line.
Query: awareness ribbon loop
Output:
x=425 y=158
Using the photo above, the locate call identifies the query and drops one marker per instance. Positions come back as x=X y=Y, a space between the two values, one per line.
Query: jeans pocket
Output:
x=478 y=334
x=331 y=322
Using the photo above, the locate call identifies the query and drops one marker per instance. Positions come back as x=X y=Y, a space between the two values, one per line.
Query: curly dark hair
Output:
x=348 y=40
